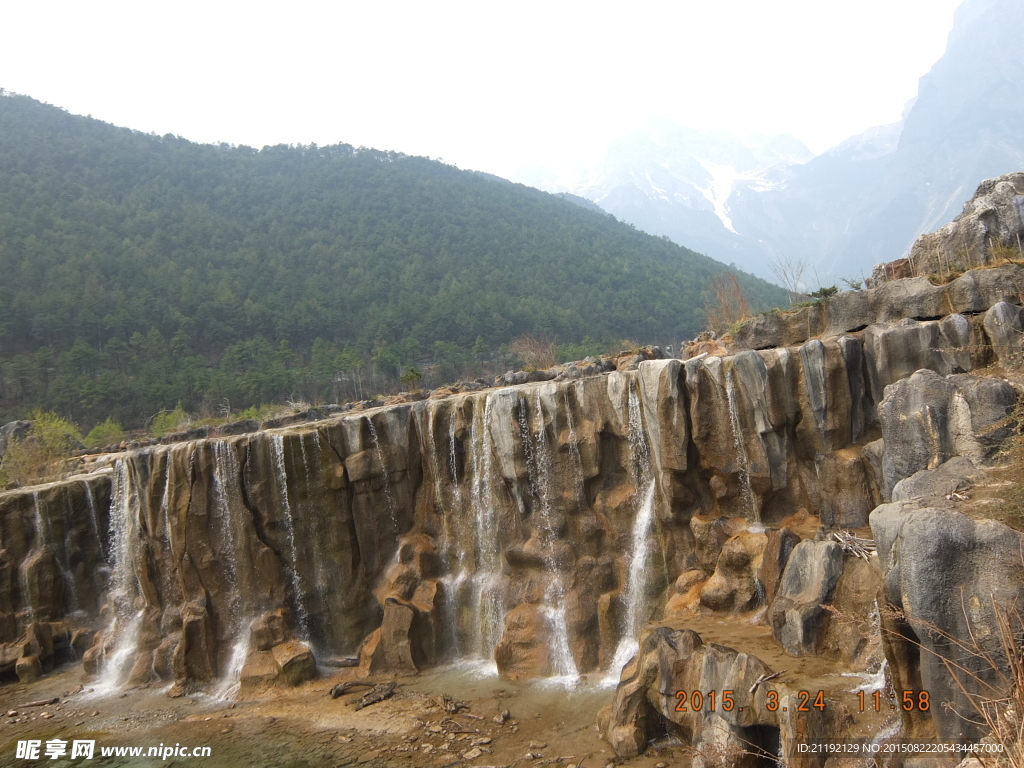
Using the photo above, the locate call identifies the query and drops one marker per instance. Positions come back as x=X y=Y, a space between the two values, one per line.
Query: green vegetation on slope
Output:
x=139 y=271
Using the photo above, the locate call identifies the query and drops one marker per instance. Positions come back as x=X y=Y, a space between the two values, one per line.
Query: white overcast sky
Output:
x=486 y=85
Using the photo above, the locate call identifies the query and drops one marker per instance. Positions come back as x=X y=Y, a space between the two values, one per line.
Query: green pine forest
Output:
x=138 y=272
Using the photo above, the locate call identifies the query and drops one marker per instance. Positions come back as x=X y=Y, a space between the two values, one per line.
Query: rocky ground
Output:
x=548 y=725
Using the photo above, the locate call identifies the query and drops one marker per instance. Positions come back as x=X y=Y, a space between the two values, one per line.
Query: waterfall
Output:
x=91 y=503
x=225 y=470
x=749 y=498
x=44 y=535
x=456 y=492
x=487 y=595
x=574 y=454
x=124 y=538
x=562 y=662
x=231 y=681
x=384 y=474
x=635 y=587
x=634 y=593
x=63 y=559
x=301 y=616
x=312 y=481
x=450 y=551
x=42 y=532
x=227 y=505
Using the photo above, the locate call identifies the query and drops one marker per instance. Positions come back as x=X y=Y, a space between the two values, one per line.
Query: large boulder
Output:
x=656 y=696
x=269 y=630
x=524 y=650
x=894 y=351
x=734 y=586
x=285 y=665
x=13 y=430
x=948 y=582
x=934 y=486
x=777 y=549
x=848 y=490
x=294 y=661
x=928 y=419
x=1004 y=327
x=797 y=616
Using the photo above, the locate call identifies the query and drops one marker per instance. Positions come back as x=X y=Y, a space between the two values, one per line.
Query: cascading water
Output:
x=125 y=587
x=487 y=577
x=93 y=519
x=225 y=470
x=562 y=662
x=574 y=454
x=750 y=500
x=44 y=535
x=70 y=583
x=226 y=506
x=452 y=554
x=635 y=591
x=384 y=474
x=231 y=679
x=301 y=615
x=452 y=462
x=312 y=480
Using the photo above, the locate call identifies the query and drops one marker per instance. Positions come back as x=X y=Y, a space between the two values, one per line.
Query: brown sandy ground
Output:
x=302 y=727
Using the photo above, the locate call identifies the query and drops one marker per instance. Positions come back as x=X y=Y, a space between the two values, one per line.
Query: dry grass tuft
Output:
x=537 y=353
x=727 y=307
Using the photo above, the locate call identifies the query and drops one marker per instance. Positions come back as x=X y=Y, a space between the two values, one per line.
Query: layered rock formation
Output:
x=54 y=570
x=540 y=526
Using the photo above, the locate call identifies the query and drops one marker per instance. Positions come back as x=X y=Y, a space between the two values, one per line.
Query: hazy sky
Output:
x=486 y=85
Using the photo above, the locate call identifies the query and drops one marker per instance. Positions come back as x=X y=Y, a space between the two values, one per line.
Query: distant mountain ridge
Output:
x=677 y=182
x=862 y=202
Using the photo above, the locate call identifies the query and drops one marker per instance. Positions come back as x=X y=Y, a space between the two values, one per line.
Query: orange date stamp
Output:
x=725 y=701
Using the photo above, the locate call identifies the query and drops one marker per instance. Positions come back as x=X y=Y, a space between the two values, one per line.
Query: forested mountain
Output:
x=137 y=271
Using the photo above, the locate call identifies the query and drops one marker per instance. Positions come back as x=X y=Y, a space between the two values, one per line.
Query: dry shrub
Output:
x=39 y=457
x=537 y=353
x=727 y=306
x=988 y=671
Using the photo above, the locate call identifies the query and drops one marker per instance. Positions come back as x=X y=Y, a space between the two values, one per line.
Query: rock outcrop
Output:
x=53 y=556
x=12 y=430
x=914 y=298
x=990 y=227
x=947 y=579
x=928 y=419
x=665 y=690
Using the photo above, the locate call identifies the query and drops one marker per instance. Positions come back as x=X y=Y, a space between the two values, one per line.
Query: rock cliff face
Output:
x=990 y=227
x=540 y=526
